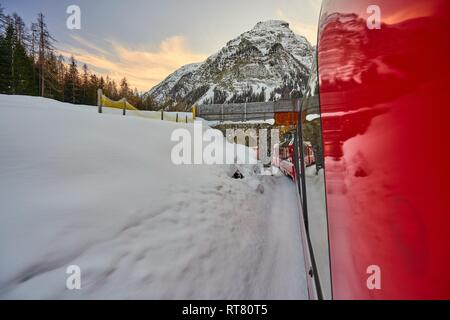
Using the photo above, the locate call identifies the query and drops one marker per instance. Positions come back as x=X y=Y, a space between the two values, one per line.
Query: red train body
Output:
x=283 y=155
x=384 y=95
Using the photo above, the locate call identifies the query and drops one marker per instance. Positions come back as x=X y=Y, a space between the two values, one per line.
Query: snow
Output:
x=271 y=29
x=312 y=117
x=231 y=72
x=99 y=191
x=173 y=78
x=281 y=267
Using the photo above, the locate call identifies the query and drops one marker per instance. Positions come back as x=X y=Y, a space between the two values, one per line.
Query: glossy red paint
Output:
x=384 y=95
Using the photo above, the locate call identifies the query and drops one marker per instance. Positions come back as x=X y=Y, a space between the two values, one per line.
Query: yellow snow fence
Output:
x=123 y=104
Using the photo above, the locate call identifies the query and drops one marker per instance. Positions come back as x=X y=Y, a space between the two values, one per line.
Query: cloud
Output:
x=88 y=44
x=143 y=68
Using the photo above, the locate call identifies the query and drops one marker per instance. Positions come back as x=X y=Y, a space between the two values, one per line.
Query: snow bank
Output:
x=99 y=191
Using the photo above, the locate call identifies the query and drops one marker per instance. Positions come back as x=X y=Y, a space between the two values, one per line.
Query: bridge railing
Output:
x=246 y=111
x=283 y=111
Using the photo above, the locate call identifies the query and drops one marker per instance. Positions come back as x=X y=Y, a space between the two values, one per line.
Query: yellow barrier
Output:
x=123 y=104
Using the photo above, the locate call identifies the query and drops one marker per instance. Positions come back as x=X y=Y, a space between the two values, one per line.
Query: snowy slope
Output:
x=159 y=91
x=269 y=58
x=100 y=192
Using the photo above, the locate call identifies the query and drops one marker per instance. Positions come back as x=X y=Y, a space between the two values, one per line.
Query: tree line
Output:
x=30 y=65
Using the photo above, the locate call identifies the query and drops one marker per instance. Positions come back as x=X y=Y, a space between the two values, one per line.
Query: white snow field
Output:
x=99 y=191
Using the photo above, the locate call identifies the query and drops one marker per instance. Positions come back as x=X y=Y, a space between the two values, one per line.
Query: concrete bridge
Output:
x=249 y=111
x=282 y=111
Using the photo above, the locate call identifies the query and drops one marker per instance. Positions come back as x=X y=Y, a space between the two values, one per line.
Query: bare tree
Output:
x=19 y=27
x=3 y=20
x=45 y=42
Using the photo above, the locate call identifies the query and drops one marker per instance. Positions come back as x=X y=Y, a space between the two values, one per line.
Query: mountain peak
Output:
x=268 y=62
x=270 y=24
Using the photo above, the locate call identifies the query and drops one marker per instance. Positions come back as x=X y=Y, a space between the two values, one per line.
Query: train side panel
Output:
x=384 y=96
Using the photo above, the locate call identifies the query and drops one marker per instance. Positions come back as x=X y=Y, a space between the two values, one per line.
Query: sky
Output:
x=146 y=40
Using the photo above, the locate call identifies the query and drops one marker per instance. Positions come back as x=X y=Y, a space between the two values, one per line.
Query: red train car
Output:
x=283 y=155
x=377 y=213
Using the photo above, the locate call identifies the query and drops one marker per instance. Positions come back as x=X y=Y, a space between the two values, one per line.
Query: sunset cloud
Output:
x=142 y=67
x=146 y=65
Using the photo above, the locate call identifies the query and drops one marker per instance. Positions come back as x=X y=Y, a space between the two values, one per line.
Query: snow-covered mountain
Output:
x=266 y=63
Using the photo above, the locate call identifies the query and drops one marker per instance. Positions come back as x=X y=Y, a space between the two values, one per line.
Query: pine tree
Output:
x=149 y=103
x=85 y=84
x=3 y=20
x=33 y=54
x=93 y=86
x=61 y=75
x=23 y=71
x=20 y=29
x=115 y=92
x=52 y=78
x=7 y=43
x=124 y=88
x=4 y=65
x=72 y=86
x=102 y=84
x=29 y=66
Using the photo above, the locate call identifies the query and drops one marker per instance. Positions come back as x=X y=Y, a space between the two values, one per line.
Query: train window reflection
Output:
x=314 y=182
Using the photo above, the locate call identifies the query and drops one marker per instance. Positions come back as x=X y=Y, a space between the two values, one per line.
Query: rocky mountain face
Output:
x=269 y=62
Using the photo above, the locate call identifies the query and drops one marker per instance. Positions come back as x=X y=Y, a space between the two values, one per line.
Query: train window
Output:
x=314 y=183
